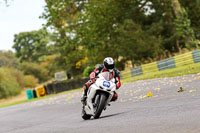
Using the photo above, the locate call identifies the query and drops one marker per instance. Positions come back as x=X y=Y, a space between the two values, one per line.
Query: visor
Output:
x=110 y=66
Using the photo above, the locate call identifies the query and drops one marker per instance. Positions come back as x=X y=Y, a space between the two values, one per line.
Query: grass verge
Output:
x=173 y=72
x=35 y=99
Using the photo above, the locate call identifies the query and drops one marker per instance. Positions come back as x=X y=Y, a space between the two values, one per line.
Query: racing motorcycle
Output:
x=99 y=96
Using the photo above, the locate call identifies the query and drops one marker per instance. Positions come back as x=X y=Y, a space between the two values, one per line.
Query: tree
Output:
x=89 y=24
x=50 y=63
x=30 y=46
x=170 y=21
x=36 y=70
x=184 y=32
x=138 y=44
x=8 y=84
x=126 y=30
x=63 y=16
x=8 y=59
x=193 y=11
x=6 y=2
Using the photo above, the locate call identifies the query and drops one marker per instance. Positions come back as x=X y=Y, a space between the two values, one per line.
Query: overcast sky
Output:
x=19 y=16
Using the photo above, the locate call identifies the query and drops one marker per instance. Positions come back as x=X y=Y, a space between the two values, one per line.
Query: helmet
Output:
x=109 y=63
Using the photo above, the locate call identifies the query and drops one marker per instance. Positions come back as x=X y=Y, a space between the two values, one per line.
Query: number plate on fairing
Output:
x=106 y=84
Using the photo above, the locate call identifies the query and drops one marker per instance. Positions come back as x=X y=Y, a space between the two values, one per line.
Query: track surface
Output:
x=167 y=111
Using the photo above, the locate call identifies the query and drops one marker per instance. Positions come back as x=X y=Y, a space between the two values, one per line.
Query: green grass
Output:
x=35 y=99
x=184 y=70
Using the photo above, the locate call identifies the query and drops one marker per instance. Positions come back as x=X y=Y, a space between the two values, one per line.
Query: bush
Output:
x=18 y=75
x=36 y=70
x=87 y=71
x=23 y=80
x=8 y=84
x=30 y=81
x=8 y=59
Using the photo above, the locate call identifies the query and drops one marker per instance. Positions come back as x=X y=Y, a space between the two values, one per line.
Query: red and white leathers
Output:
x=100 y=68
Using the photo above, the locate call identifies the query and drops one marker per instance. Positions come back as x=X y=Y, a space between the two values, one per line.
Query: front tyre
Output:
x=101 y=105
x=84 y=115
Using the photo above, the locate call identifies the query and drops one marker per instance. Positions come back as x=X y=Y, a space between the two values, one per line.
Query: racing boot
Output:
x=85 y=88
x=84 y=97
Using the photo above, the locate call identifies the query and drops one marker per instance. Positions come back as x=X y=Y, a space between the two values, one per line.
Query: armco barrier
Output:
x=126 y=73
x=176 y=61
x=49 y=89
x=151 y=67
x=196 y=56
x=166 y=64
x=56 y=87
x=60 y=86
x=136 y=71
x=184 y=59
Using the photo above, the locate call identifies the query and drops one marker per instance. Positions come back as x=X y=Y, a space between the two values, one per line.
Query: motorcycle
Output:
x=99 y=96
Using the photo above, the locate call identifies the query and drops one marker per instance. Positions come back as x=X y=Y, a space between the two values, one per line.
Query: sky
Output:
x=19 y=16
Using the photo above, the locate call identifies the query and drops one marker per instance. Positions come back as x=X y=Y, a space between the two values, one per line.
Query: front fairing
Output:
x=105 y=85
x=106 y=81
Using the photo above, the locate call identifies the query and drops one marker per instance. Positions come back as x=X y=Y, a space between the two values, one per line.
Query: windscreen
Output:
x=107 y=75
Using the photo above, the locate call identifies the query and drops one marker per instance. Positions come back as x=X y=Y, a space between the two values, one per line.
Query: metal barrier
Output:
x=196 y=56
x=176 y=61
x=166 y=64
x=146 y=68
x=136 y=71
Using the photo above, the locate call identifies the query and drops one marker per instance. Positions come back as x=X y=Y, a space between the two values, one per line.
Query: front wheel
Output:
x=101 y=105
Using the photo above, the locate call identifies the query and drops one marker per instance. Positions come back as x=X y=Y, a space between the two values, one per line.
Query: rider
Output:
x=107 y=66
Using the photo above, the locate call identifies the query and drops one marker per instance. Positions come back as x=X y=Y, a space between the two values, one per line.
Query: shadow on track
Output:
x=102 y=117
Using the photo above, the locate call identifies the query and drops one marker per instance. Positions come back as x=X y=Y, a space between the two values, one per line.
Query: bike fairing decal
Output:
x=106 y=84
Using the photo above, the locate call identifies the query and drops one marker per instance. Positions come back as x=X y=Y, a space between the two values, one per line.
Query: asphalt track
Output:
x=166 y=111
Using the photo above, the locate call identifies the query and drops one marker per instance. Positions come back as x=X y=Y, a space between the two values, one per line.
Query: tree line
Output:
x=84 y=32
x=80 y=33
x=138 y=31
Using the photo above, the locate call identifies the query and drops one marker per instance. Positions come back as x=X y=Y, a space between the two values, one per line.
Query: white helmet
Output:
x=109 y=63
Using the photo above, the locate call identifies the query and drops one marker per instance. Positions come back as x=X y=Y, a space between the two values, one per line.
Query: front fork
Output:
x=96 y=100
x=110 y=95
x=109 y=98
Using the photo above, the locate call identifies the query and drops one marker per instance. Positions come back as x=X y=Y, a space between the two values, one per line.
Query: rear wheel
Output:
x=101 y=105
x=84 y=115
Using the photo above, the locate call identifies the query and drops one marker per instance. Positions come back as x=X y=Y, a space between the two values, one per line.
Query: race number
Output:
x=106 y=84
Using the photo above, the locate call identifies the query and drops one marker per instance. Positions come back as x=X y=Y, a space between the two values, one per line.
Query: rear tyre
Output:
x=101 y=105
x=84 y=115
